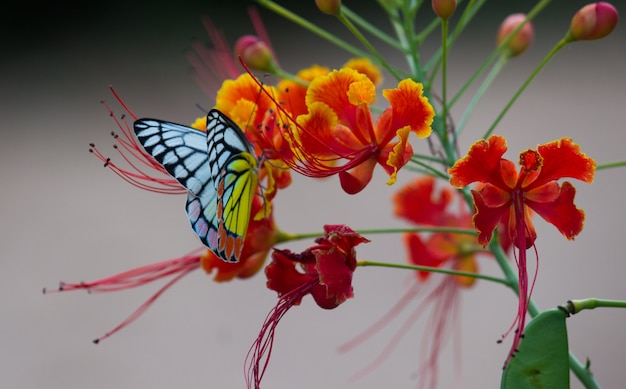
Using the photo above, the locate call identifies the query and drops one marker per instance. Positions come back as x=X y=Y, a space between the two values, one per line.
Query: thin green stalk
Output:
x=313 y=28
x=611 y=165
x=575 y=306
x=444 y=79
x=288 y=237
x=531 y=14
x=365 y=42
x=495 y=70
x=532 y=76
x=372 y=29
x=433 y=270
x=426 y=157
x=432 y=171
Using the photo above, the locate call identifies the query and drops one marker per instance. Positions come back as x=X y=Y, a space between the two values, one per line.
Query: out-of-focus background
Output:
x=64 y=217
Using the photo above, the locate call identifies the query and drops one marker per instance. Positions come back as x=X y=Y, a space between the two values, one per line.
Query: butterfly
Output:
x=219 y=169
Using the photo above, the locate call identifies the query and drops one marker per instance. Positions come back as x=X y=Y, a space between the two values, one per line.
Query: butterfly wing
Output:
x=234 y=168
x=218 y=168
x=180 y=149
x=183 y=153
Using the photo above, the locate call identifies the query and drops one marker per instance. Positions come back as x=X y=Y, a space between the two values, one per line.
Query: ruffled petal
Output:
x=416 y=202
x=562 y=213
x=563 y=158
x=410 y=107
x=487 y=218
x=483 y=164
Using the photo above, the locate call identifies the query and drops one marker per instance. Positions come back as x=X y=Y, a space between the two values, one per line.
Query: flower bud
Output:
x=330 y=7
x=593 y=21
x=444 y=8
x=522 y=39
x=255 y=53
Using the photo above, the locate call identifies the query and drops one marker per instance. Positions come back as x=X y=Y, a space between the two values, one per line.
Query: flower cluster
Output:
x=320 y=122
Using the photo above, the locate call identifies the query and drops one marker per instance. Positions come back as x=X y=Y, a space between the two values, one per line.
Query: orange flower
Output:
x=339 y=128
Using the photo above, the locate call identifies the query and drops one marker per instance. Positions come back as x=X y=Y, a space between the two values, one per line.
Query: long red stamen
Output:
x=303 y=161
x=137 y=277
x=137 y=159
x=259 y=354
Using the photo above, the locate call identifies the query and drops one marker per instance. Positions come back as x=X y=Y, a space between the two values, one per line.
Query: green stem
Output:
x=611 y=165
x=372 y=29
x=575 y=306
x=431 y=170
x=582 y=373
x=312 y=27
x=355 y=31
x=531 y=14
x=288 y=237
x=444 y=80
x=495 y=70
x=433 y=270
x=551 y=54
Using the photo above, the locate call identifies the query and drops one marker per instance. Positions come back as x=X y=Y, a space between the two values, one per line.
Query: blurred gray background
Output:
x=64 y=217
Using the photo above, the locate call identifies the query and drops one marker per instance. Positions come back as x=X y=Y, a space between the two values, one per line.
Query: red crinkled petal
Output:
x=486 y=218
x=562 y=212
x=563 y=158
x=420 y=255
x=481 y=164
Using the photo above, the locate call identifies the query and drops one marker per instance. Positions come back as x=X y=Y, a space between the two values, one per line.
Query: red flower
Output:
x=325 y=272
x=419 y=202
x=338 y=134
x=535 y=187
x=507 y=194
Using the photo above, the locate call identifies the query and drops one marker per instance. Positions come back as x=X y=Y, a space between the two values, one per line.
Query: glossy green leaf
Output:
x=543 y=358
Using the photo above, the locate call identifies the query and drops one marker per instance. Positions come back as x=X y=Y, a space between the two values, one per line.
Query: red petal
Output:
x=563 y=158
x=357 y=178
x=417 y=203
x=483 y=164
x=562 y=212
x=487 y=218
x=420 y=255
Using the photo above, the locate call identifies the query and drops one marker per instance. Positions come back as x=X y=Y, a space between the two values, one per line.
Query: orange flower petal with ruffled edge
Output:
x=483 y=163
x=562 y=212
x=365 y=66
x=398 y=156
x=293 y=94
x=319 y=124
x=199 y=123
x=332 y=90
x=416 y=202
x=362 y=92
x=563 y=159
x=410 y=108
x=242 y=102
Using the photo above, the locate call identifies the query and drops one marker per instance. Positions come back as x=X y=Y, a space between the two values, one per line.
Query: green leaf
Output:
x=543 y=358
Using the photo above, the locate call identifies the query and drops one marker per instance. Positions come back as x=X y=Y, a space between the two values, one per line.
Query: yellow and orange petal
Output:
x=399 y=156
x=293 y=94
x=243 y=102
x=199 y=123
x=365 y=66
x=332 y=90
x=410 y=107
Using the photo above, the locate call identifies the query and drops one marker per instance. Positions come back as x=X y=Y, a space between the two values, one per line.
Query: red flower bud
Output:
x=444 y=8
x=522 y=39
x=593 y=21
x=330 y=7
x=255 y=53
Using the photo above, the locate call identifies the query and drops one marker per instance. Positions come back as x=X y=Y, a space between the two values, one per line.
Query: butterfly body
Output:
x=219 y=169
